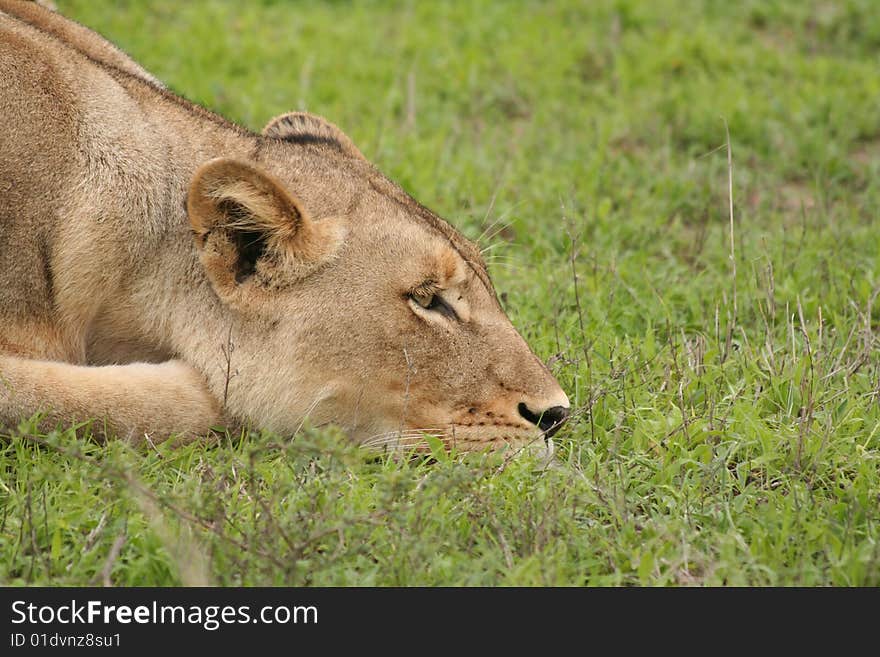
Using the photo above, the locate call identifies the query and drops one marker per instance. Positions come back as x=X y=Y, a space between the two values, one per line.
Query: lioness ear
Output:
x=251 y=233
x=305 y=128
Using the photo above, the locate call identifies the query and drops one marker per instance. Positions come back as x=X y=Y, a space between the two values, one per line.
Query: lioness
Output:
x=165 y=271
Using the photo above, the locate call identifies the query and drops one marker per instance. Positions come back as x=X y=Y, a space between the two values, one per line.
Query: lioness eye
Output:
x=435 y=303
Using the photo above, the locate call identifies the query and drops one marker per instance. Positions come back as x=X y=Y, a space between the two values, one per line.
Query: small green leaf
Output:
x=438 y=450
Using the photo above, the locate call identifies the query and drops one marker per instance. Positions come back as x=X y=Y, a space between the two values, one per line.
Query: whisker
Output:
x=494 y=245
x=399 y=437
x=496 y=221
x=322 y=395
x=512 y=266
x=507 y=251
x=488 y=237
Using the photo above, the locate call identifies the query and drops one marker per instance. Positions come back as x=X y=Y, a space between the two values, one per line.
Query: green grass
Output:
x=711 y=444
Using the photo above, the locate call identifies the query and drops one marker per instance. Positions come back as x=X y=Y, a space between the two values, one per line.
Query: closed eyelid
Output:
x=433 y=303
x=445 y=309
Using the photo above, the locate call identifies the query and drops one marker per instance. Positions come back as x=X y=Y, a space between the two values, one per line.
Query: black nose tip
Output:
x=548 y=421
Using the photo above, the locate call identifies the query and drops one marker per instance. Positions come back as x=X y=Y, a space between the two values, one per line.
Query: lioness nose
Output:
x=548 y=420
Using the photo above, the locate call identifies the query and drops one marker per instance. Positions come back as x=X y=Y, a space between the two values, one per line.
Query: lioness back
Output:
x=74 y=35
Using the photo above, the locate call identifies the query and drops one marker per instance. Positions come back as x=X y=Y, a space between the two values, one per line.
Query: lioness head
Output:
x=351 y=303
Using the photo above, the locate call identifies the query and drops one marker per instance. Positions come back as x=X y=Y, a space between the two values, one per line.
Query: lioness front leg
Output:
x=126 y=401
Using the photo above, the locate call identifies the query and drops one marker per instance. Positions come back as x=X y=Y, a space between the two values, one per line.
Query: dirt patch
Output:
x=866 y=152
x=793 y=196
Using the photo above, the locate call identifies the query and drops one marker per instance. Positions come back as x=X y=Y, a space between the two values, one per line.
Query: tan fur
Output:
x=41 y=15
x=163 y=271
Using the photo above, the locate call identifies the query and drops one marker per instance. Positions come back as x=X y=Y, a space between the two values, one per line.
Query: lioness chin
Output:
x=165 y=271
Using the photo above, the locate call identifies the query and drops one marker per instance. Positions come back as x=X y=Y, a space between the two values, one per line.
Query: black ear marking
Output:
x=305 y=139
x=305 y=129
x=250 y=245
